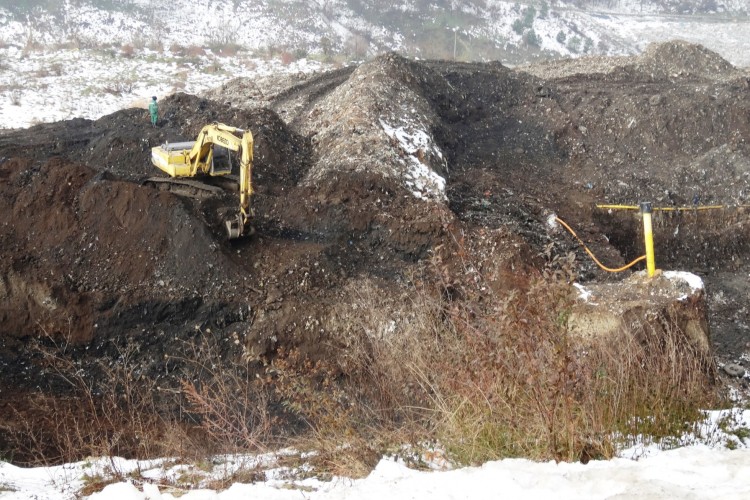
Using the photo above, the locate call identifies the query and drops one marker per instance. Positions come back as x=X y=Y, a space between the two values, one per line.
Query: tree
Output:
x=543 y=10
x=357 y=46
x=531 y=39
x=574 y=45
x=326 y=45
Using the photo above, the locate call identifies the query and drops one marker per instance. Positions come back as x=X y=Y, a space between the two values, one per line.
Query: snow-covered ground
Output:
x=712 y=462
x=39 y=87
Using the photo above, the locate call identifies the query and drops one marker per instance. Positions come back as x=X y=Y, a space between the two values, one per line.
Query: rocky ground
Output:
x=379 y=177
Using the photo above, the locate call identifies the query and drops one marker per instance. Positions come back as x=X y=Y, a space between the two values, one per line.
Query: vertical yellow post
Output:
x=648 y=236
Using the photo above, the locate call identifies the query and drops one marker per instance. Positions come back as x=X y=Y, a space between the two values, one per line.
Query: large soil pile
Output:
x=364 y=176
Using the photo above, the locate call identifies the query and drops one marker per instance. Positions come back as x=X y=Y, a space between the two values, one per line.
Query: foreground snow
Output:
x=704 y=467
x=691 y=472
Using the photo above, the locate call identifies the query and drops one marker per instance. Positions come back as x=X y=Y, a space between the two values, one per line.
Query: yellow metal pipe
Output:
x=672 y=209
x=619 y=207
x=648 y=236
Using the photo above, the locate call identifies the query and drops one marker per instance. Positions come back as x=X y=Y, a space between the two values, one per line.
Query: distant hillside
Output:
x=512 y=31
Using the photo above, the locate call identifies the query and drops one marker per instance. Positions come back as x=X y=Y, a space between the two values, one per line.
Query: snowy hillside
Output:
x=67 y=58
x=359 y=27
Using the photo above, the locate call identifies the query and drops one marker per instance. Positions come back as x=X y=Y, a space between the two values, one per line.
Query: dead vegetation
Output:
x=497 y=378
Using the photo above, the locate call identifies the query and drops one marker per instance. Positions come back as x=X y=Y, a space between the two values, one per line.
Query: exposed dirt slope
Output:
x=370 y=176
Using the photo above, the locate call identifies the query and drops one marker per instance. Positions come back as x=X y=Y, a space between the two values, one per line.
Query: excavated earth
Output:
x=381 y=177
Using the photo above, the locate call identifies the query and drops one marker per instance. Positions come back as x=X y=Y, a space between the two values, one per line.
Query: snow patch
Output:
x=584 y=293
x=695 y=282
x=419 y=178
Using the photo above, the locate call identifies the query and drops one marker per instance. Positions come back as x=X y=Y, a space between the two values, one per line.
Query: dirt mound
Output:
x=670 y=60
x=374 y=177
x=680 y=59
x=105 y=243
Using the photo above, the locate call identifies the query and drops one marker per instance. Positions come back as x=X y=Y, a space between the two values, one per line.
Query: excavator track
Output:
x=193 y=188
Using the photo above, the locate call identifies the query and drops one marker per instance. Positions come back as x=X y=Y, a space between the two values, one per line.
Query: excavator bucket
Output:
x=235 y=227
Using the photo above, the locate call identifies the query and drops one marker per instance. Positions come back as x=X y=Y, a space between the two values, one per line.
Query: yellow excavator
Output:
x=198 y=158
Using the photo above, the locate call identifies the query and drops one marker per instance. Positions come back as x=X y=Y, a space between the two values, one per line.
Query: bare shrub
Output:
x=155 y=44
x=195 y=51
x=286 y=58
x=119 y=86
x=249 y=64
x=226 y=36
x=508 y=380
x=138 y=42
x=15 y=97
x=213 y=68
x=357 y=46
x=488 y=375
x=365 y=400
x=233 y=409
x=225 y=49
x=116 y=411
x=178 y=50
x=313 y=395
x=127 y=50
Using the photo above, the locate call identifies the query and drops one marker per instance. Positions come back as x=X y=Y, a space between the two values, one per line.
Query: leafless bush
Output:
x=110 y=409
x=138 y=42
x=119 y=87
x=195 y=51
x=286 y=58
x=177 y=49
x=488 y=375
x=357 y=46
x=127 y=50
x=233 y=408
x=155 y=44
x=15 y=97
x=225 y=37
x=213 y=68
x=225 y=50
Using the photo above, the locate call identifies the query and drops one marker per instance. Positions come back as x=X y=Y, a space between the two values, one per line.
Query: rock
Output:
x=734 y=370
x=668 y=301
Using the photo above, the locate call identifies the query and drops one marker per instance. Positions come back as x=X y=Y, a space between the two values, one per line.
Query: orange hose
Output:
x=608 y=269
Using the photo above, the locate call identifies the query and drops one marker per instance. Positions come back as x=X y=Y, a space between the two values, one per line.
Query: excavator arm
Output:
x=224 y=135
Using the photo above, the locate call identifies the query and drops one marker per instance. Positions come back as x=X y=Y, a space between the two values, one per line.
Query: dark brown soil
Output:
x=95 y=259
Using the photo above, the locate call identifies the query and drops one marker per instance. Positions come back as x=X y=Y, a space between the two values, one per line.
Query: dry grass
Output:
x=491 y=378
x=110 y=409
x=487 y=376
